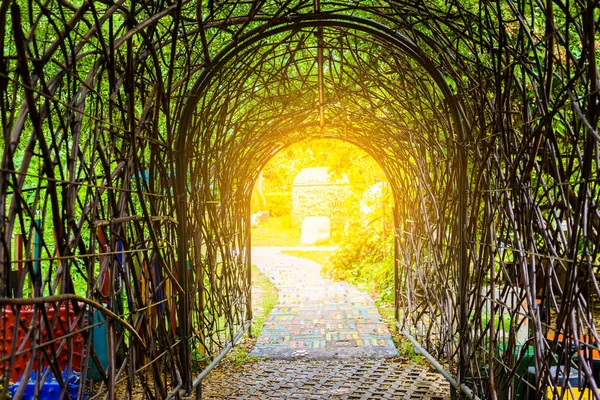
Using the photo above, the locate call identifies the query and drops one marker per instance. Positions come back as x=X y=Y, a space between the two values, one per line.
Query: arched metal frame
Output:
x=325 y=20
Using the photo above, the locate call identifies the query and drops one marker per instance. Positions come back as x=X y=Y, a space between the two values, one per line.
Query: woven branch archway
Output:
x=102 y=221
x=202 y=133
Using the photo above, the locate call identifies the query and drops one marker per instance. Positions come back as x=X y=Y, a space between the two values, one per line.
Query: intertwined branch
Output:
x=134 y=131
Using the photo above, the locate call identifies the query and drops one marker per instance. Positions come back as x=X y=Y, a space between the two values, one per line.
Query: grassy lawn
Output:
x=264 y=299
x=279 y=231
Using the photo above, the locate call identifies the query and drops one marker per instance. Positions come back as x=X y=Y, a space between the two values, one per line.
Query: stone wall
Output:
x=315 y=194
x=315 y=201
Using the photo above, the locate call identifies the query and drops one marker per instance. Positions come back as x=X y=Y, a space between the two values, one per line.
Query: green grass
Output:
x=264 y=303
x=320 y=256
x=265 y=298
x=277 y=231
x=406 y=350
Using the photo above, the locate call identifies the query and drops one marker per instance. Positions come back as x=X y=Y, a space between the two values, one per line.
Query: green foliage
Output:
x=264 y=302
x=340 y=157
x=279 y=203
x=365 y=258
x=239 y=355
x=407 y=351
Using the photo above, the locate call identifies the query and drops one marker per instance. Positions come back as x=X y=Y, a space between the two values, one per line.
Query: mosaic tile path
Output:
x=326 y=379
x=317 y=318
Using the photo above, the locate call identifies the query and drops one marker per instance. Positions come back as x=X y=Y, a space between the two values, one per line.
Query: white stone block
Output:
x=254 y=220
x=315 y=230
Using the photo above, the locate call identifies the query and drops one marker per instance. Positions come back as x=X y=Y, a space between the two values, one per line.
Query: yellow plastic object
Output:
x=570 y=394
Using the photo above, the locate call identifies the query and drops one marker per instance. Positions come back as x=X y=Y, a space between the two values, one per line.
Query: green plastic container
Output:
x=100 y=342
x=520 y=388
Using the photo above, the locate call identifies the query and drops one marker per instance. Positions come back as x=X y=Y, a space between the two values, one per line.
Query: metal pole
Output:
x=465 y=390
x=463 y=263
x=396 y=262
x=317 y=7
x=183 y=309
x=248 y=262
x=199 y=391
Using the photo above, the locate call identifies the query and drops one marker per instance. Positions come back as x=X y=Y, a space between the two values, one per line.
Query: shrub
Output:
x=365 y=255
x=365 y=258
x=279 y=203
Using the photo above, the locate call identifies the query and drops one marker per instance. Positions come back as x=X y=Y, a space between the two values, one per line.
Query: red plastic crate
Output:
x=8 y=325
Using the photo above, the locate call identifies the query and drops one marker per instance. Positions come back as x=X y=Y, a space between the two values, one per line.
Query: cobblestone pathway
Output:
x=324 y=340
x=332 y=379
x=316 y=318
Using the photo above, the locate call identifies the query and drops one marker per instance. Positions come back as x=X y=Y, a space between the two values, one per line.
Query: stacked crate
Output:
x=15 y=334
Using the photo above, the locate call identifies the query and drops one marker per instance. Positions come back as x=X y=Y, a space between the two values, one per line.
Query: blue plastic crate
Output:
x=50 y=388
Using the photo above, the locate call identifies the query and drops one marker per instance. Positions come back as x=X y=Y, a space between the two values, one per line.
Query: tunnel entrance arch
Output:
x=318 y=23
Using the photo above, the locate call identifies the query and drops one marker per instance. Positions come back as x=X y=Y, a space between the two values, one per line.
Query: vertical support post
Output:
x=463 y=261
x=396 y=262
x=317 y=8
x=248 y=260
x=199 y=391
x=18 y=291
x=4 y=267
x=37 y=246
x=37 y=259
x=19 y=245
x=492 y=309
x=321 y=80
x=183 y=309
